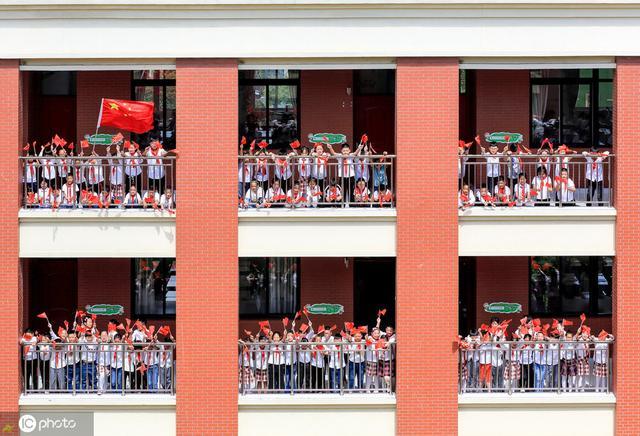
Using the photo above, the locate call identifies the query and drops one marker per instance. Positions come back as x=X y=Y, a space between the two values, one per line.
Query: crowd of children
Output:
x=324 y=360
x=126 y=176
x=81 y=358
x=508 y=184
x=313 y=177
x=540 y=357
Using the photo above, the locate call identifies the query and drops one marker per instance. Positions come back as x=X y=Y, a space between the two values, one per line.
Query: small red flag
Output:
x=320 y=328
x=363 y=329
x=117 y=138
x=295 y=144
x=42 y=315
x=583 y=317
x=84 y=144
x=111 y=327
x=263 y=144
x=566 y=322
x=66 y=324
x=243 y=141
x=26 y=147
x=364 y=139
x=60 y=331
x=264 y=324
x=252 y=145
x=164 y=330
x=59 y=141
x=304 y=328
x=348 y=326
x=298 y=315
x=285 y=322
x=382 y=312
x=132 y=116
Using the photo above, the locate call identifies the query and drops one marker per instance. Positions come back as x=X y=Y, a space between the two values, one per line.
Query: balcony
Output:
x=322 y=367
x=548 y=201
x=98 y=368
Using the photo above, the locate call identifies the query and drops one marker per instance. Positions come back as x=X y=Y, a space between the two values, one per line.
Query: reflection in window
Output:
x=269 y=106
x=154 y=286
x=268 y=285
x=570 y=285
x=572 y=107
x=159 y=87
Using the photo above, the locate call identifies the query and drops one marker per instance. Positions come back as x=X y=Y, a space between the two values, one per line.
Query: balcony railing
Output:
x=98 y=182
x=97 y=368
x=308 y=182
x=549 y=180
x=316 y=367
x=530 y=366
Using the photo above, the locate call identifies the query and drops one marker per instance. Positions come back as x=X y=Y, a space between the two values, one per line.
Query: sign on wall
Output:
x=327 y=138
x=504 y=137
x=502 y=307
x=325 y=309
x=105 y=309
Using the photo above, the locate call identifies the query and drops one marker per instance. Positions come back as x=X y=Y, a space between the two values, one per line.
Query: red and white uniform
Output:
x=115 y=172
x=304 y=167
x=30 y=171
x=275 y=194
x=594 y=169
x=362 y=168
x=543 y=186
x=345 y=167
x=245 y=170
x=94 y=172
x=261 y=170
x=132 y=167
x=48 y=165
x=132 y=200
x=296 y=199
x=466 y=200
x=68 y=194
x=521 y=193
x=314 y=195
x=283 y=168
x=155 y=169
x=503 y=194
x=361 y=195
x=385 y=197
x=65 y=167
x=46 y=197
x=320 y=168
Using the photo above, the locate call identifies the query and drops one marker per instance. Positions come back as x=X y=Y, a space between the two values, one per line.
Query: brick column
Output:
x=207 y=246
x=427 y=246
x=627 y=273
x=10 y=137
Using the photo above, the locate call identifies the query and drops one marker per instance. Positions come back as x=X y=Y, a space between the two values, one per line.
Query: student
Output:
x=95 y=173
x=261 y=359
x=304 y=164
x=493 y=164
x=48 y=164
x=57 y=366
x=383 y=196
x=594 y=175
x=320 y=167
x=526 y=360
x=167 y=202
x=361 y=193
x=151 y=358
x=565 y=188
x=276 y=363
x=261 y=169
x=499 y=349
x=151 y=198
x=245 y=173
x=132 y=165
x=155 y=165
x=357 y=361
x=31 y=175
x=512 y=370
x=45 y=196
x=345 y=167
x=29 y=364
x=296 y=197
x=568 y=367
x=539 y=363
x=562 y=161
x=466 y=199
x=254 y=196
x=117 y=350
x=601 y=360
x=485 y=357
x=132 y=199
x=485 y=197
x=373 y=376
x=318 y=352
x=521 y=191
x=65 y=166
x=115 y=167
x=336 y=363
x=73 y=362
x=290 y=361
x=502 y=193
x=380 y=172
x=541 y=187
x=166 y=363
x=304 y=365
x=89 y=349
x=314 y=193
x=552 y=361
x=275 y=194
x=104 y=362
x=582 y=360
x=69 y=193
x=333 y=193
x=44 y=354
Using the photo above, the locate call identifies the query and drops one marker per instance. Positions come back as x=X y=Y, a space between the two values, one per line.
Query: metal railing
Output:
x=531 y=366
x=97 y=368
x=316 y=367
x=307 y=181
x=98 y=182
x=586 y=179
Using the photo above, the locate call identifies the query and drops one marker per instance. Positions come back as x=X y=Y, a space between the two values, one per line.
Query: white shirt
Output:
x=296 y=200
x=132 y=167
x=345 y=167
x=386 y=196
x=320 y=169
x=253 y=197
x=276 y=354
x=166 y=356
x=115 y=172
x=245 y=170
x=31 y=172
x=601 y=353
x=58 y=358
x=89 y=348
x=261 y=357
x=104 y=354
x=155 y=169
x=562 y=162
x=539 y=354
x=471 y=199
x=493 y=164
x=525 y=354
x=317 y=356
x=567 y=351
x=48 y=165
x=132 y=199
x=94 y=172
x=45 y=196
x=357 y=352
x=336 y=357
x=362 y=168
x=68 y=194
x=361 y=195
x=147 y=197
x=304 y=166
x=521 y=192
x=313 y=196
x=552 y=357
x=117 y=353
x=506 y=193
x=542 y=185
x=167 y=202
x=261 y=170
x=564 y=190
x=485 y=353
x=594 y=169
x=282 y=168
x=65 y=167
x=273 y=193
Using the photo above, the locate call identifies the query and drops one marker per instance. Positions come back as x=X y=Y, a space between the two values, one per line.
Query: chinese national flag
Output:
x=132 y=116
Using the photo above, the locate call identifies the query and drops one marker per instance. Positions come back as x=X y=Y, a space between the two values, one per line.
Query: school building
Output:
x=416 y=76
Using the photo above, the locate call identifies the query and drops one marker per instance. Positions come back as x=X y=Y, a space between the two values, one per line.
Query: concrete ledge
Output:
x=318 y=214
x=538 y=213
x=316 y=400
x=152 y=401
x=533 y=399
x=88 y=215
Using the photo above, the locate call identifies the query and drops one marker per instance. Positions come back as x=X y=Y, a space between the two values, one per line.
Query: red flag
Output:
x=364 y=139
x=252 y=145
x=243 y=141
x=566 y=322
x=42 y=315
x=333 y=327
x=382 y=312
x=348 y=326
x=303 y=327
x=164 y=330
x=321 y=328
x=133 y=116
x=285 y=322
x=66 y=324
x=264 y=324
x=295 y=144
x=298 y=315
x=117 y=138
x=84 y=144
x=363 y=329
x=263 y=144
x=60 y=331
x=583 y=317
x=26 y=147
x=59 y=141
x=111 y=327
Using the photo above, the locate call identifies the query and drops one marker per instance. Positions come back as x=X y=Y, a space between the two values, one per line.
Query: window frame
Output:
x=267 y=83
x=134 y=312
x=164 y=83
x=593 y=292
x=594 y=100
x=268 y=315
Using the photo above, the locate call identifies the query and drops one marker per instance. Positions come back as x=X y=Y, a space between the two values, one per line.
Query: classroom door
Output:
x=374 y=289
x=467 y=294
x=53 y=289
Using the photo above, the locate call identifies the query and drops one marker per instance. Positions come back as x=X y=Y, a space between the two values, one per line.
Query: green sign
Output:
x=502 y=307
x=99 y=139
x=327 y=138
x=504 y=137
x=325 y=309
x=105 y=309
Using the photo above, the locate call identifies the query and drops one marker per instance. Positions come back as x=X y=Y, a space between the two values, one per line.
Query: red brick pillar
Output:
x=207 y=246
x=427 y=246
x=10 y=137
x=626 y=378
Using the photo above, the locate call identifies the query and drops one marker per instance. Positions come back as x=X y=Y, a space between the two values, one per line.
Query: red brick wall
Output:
x=10 y=136
x=507 y=279
x=626 y=273
x=91 y=87
x=324 y=103
x=323 y=280
x=427 y=247
x=502 y=102
x=207 y=399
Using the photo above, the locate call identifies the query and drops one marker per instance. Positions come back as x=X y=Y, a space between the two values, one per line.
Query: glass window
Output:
x=376 y=82
x=154 y=286
x=268 y=285
x=570 y=285
x=572 y=107
x=58 y=83
x=159 y=87
x=268 y=106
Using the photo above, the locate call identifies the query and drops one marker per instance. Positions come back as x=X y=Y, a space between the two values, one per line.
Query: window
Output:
x=269 y=285
x=560 y=286
x=572 y=107
x=154 y=287
x=269 y=107
x=56 y=83
x=158 y=86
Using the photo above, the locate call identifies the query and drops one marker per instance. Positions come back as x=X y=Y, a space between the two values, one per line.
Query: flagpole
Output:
x=93 y=149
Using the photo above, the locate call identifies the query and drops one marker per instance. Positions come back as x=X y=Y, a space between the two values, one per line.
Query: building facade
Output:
x=416 y=77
